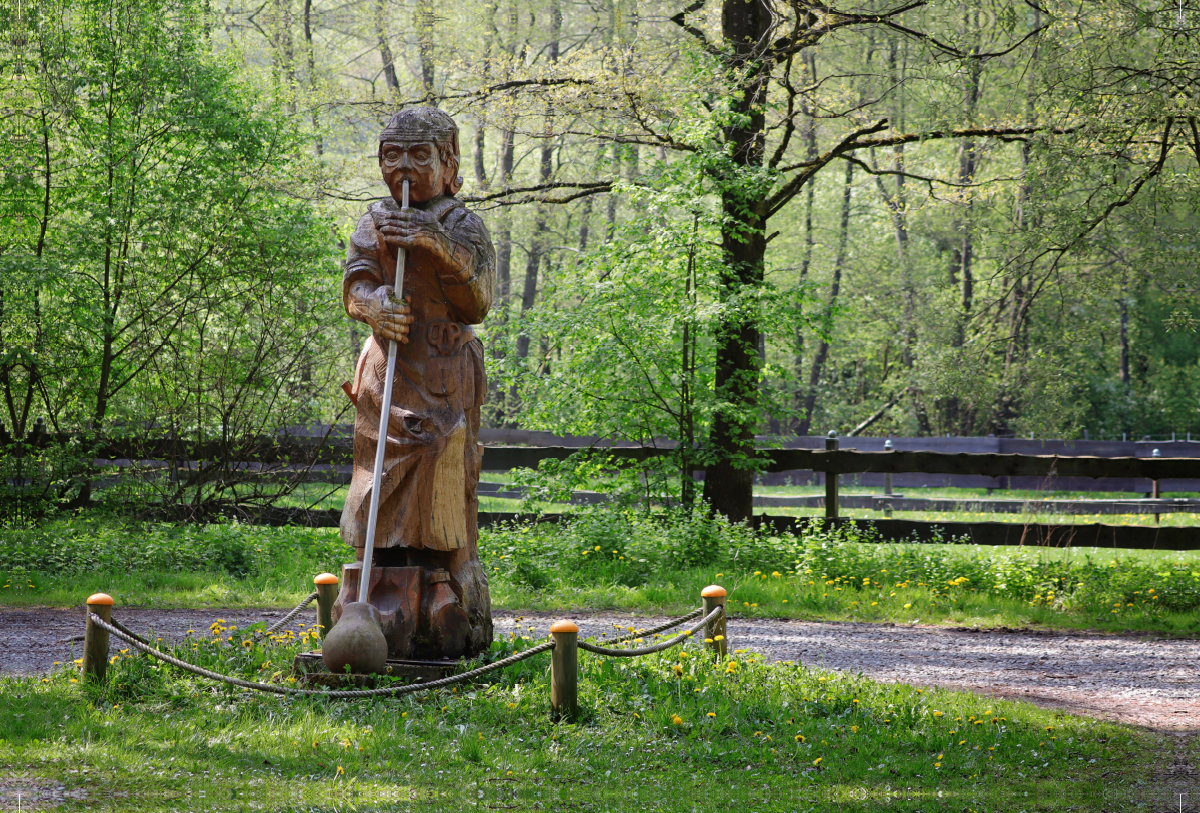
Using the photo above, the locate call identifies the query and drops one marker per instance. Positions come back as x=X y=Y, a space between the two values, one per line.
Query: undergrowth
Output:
x=608 y=558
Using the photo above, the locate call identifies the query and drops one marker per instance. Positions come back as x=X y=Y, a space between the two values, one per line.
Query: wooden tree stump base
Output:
x=309 y=669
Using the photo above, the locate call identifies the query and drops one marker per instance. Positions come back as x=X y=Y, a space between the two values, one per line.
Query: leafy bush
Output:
x=611 y=545
x=76 y=546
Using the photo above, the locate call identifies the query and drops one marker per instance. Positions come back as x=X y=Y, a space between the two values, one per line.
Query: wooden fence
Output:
x=1148 y=468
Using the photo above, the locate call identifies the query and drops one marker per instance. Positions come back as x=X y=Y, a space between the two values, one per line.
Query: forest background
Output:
x=712 y=220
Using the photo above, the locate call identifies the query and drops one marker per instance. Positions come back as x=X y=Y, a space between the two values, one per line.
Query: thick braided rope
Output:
x=660 y=628
x=649 y=650
x=283 y=622
x=128 y=631
x=335 y=695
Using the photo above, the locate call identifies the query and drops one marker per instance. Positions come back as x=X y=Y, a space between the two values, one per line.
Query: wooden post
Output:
x=713 y=597
x=564 y=671
x=887 y=478
x=1154 y=492
x=831 y=480
x=327 y=590
x=95 y=638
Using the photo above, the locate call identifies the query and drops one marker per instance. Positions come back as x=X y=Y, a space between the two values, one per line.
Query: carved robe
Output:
x=427 y=583
x=432 y=459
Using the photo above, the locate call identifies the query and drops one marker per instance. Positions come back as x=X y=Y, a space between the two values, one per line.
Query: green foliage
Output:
x=160 y=270
x=84 y=546
x=628 y=336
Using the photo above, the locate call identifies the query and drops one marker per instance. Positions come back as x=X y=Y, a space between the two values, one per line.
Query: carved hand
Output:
x=414 y=229
x=387 y=317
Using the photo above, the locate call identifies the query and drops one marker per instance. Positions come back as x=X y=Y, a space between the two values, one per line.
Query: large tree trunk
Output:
x=729 y=479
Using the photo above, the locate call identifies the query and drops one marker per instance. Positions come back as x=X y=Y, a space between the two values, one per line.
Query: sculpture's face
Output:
x=416 y=162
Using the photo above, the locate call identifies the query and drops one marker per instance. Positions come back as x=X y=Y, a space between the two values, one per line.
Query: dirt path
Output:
x=1140 y=680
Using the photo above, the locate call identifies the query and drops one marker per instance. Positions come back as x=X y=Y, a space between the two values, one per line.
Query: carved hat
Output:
x=416 y=124
x=421 y=124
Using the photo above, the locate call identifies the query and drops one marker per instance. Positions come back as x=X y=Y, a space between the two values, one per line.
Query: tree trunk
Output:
x=729 y=478
x=310 y=55
x=839 y=261
x=810 y=152
x=504 y=232
x=385 y=50
x=537 y=242
x=423 y=20
x=1124 y=338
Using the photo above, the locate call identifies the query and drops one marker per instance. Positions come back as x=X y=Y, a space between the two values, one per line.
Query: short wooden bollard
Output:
x=95 y=638
x=327 y=590
x=564 y=671
x=715 y=637
x=831 y=480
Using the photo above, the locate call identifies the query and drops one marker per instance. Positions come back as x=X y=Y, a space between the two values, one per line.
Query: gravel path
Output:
x=1141 y=680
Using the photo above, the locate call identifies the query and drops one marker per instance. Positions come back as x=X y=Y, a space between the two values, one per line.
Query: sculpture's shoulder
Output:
x=365 y=237
x=465 y=225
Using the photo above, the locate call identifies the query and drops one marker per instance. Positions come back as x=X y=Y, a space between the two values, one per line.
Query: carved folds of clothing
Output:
x=427 y=497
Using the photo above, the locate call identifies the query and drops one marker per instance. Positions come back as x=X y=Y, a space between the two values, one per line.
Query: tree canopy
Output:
x=714 y=220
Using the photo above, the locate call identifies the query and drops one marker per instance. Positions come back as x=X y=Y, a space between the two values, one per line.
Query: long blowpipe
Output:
x=364 y=582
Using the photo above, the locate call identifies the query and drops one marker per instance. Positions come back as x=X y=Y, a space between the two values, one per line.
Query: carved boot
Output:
x=396 y=593
x=448 y=630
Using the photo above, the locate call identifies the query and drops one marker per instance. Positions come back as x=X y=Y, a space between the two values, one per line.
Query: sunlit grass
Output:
x=676 y=728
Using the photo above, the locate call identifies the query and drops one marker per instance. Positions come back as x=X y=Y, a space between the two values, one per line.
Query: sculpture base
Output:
x=421 y=612
x=309 y=668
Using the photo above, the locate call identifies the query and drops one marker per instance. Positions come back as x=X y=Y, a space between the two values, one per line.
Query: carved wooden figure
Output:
x=426 y=581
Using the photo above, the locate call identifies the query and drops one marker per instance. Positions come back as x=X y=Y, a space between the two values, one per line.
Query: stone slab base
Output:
x=309 y=668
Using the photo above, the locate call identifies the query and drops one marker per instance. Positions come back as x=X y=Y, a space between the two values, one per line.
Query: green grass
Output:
x=669 y=732
x=610 y=560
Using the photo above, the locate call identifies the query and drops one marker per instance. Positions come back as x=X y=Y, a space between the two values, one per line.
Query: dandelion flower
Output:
x=712 y=714
x=676 y=720
x=817 y=761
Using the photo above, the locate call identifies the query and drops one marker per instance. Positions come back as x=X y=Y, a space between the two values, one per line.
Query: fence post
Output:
x=327 y=590
x=564 y=671
x=831 y=479
x=713 y=597
x=1154 y=493
x=887 y=478
x=95 y=638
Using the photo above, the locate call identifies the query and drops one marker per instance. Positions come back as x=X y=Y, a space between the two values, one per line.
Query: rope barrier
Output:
x=660 y=628
x=649 y=650
x=133 y=641
x=128 y=631
x=283 y=622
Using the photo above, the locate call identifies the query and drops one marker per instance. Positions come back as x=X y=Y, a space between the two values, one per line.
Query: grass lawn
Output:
x=673 y=731
x=606 y=561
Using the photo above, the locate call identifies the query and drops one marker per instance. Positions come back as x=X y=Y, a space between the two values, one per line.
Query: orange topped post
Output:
x=95 y=637
x=564 y=671
x=327 y=590
x=715 y=636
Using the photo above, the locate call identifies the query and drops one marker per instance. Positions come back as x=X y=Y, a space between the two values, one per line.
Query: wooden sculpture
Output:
x=425 y=579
